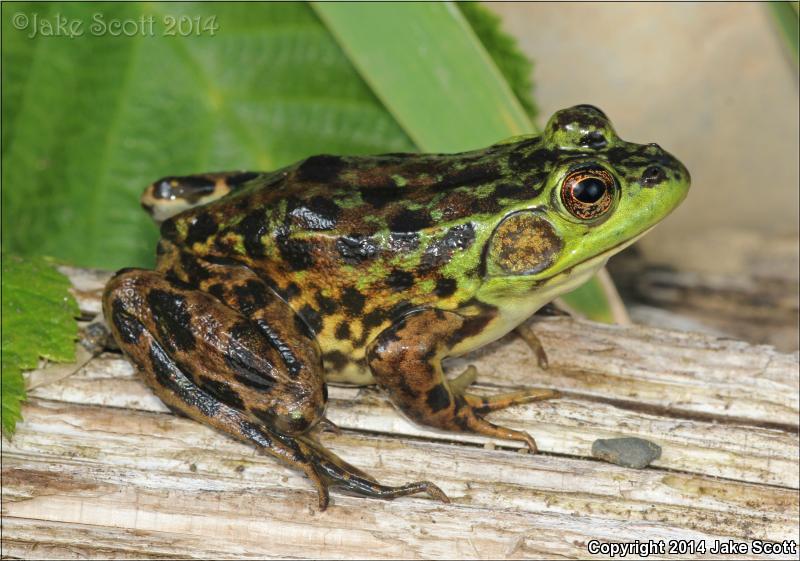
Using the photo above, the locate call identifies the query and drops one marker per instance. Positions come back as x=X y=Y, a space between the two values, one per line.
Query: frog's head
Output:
x=596 y=194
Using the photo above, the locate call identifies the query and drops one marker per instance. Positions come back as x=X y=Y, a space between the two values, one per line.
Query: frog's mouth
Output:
x=588 y=267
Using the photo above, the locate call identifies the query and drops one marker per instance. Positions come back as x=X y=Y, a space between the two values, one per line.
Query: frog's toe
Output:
x=480 y=425
x=481 y=405
x=461 y=382
x=326 y=425
x=535 y=344
x=486 y=404
x=323 y=496
x=388 y=492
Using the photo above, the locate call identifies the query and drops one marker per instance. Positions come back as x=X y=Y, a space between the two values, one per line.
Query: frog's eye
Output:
x=588 y=193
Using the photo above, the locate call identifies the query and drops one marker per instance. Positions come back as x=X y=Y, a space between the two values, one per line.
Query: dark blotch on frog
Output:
x=356 y=249
x=400 y=280
x=439 y=252
x=252 y=229
x=203 y=227
x=250 y=369
x=445 y=287
x=295 y=252
x=172 y=319
x=221 y=391
x=321 y=169
x=438 y=398
x=130 y=328
x=408 y=220
x=318 y=213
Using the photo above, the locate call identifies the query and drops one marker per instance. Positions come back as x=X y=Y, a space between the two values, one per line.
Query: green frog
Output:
x=372 y=270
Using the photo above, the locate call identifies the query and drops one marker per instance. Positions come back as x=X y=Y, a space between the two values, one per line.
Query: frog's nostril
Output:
x=652 y=176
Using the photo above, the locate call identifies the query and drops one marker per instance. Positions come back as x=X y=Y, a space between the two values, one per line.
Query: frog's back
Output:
x=365 y=195
x=390 y=226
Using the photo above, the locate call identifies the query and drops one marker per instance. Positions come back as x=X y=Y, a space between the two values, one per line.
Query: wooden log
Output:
x=100 y=468
x=733 y=281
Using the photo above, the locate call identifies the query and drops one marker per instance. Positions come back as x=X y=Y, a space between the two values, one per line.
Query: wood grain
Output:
x=100 y=469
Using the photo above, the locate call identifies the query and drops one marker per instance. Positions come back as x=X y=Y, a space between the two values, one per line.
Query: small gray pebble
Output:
x=629 y=452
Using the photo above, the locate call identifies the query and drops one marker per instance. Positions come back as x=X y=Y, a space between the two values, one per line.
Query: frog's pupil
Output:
x=589 y=190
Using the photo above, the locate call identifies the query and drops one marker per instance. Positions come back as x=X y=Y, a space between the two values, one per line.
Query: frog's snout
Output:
x=665 y=168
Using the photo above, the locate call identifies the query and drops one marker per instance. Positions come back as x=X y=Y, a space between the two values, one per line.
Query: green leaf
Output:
x=502 y=47
x=598 y=300
x=13 y=388
x=402 y=49
x=785 y=15
x=38 y=321
x=428 y=67
x=93 y=119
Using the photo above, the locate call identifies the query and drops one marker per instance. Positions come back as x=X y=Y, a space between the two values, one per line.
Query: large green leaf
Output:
x=506 y=54
x=38 y=321
x=91 y=120
x=430 y=70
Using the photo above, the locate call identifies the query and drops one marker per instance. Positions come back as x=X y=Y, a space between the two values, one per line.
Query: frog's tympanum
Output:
x=371 y=270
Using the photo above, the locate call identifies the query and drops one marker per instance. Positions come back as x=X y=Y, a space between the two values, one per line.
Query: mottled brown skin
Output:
x=368 y=270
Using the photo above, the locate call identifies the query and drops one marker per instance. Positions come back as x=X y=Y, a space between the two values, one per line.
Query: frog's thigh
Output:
x=223 y=353
x=406 y=361
x=243 y=290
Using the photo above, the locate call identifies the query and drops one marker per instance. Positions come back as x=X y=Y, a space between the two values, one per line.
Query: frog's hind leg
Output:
x=142 y=333
x=207 y=360
x=339 y=473
x=406 y=361
x=241 y=289
x=169 y=196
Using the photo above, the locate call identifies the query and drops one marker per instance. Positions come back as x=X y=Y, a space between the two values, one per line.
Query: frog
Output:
x=372 y=270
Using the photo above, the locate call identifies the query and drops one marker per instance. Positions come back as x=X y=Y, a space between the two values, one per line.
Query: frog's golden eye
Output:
x=588 y=193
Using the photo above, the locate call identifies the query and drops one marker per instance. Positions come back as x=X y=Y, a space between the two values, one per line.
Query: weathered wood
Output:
x=100 y=468
x=750 y=290
x=714 y=446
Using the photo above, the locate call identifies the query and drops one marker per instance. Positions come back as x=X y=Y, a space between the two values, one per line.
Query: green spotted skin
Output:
x=371 y=269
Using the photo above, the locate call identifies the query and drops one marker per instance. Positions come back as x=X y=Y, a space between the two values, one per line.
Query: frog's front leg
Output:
x=207 y=359
x=406 y=361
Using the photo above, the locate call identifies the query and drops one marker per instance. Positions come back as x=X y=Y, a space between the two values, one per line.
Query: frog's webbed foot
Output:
x=337 y=473
x=406 y=361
